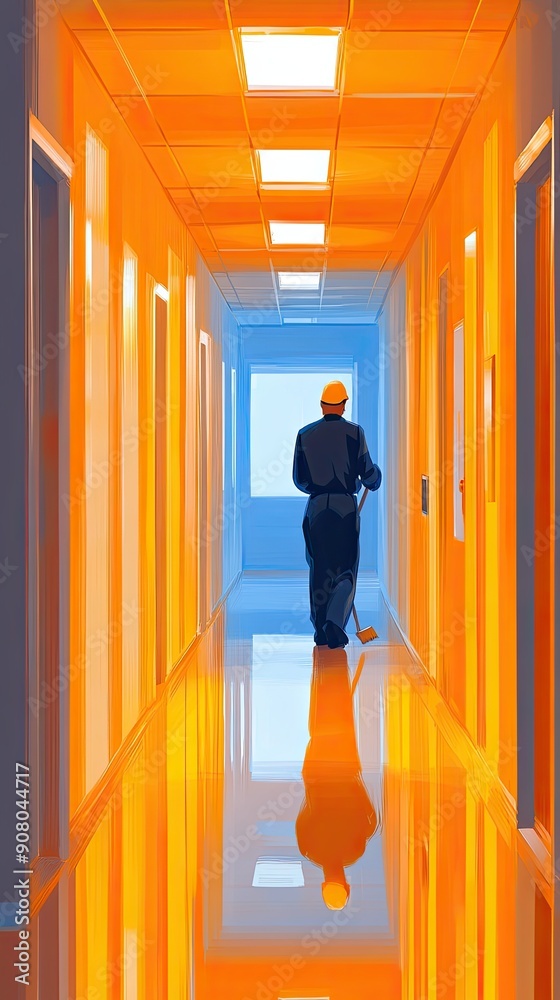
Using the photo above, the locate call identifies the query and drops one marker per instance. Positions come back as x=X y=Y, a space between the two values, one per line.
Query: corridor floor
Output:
x=231 y=825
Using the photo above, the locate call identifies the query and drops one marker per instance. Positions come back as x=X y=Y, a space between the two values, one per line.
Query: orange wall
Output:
x=134 y=211
x=440 y=597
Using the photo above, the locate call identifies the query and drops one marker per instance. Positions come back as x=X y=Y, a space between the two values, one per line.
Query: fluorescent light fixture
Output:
x=303 y=319
x=282 y=61
x=421 y=95
x=299 y=281
x=162 y=292
x=298 y=233
x=278 y=873
x=294 y=166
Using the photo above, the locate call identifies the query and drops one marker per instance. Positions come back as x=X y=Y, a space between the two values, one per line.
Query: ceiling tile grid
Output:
x=406 y=80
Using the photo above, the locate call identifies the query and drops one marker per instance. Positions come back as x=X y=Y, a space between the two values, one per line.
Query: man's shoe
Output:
x=320 y=638
x=336 y=636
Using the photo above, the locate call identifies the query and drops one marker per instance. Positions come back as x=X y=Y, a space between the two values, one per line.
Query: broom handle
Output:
x=360 y=505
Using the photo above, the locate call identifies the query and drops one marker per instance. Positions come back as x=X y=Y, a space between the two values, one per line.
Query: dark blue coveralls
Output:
x=331 y=463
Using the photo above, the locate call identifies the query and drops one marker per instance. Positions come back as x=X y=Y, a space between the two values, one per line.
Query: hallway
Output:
x=240 y=914
x=210 y=211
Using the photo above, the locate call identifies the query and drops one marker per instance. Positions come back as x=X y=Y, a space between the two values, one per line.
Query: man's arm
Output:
x=368 y=471
x=301 y=474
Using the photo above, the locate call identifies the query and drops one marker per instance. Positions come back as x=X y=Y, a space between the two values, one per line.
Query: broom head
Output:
x=367 y=634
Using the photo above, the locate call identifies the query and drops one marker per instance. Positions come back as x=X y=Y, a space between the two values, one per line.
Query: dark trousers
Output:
x=331 y=528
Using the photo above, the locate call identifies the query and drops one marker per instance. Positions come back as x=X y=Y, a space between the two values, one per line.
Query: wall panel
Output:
x=117 y=203
x=474 y=667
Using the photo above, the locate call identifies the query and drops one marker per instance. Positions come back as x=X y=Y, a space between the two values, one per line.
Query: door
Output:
x=536 y=516
x=131 y=651
x=444 y=462
x=160 y=410
x=471 y=495
x=544 y=516
x=46 y=323
x=49 y=504
x=452 y=362
x=205 y=533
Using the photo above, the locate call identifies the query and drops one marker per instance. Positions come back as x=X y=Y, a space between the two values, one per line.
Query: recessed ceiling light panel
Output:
x=294 y=166
x=300 y=281
x=297 y=233
x=298 y=320
x=282 y=61
x=278 y=873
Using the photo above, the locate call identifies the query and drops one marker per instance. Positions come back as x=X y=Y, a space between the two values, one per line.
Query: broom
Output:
x=367 y=634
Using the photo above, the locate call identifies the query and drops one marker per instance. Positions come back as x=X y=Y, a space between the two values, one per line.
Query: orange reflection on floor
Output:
x=337 y=817
x=363 y=855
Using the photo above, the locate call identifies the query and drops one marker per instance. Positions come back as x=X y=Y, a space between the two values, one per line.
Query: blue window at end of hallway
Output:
x=331 y=463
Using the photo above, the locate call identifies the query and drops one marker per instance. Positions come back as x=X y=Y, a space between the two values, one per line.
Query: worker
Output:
x=331 y=464
x=337 y=817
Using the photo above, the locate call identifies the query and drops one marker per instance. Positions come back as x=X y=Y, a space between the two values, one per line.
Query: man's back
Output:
x=331 y=456
x=331 y=463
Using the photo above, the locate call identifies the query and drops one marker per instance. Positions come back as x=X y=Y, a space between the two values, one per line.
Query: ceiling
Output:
x=409 y=75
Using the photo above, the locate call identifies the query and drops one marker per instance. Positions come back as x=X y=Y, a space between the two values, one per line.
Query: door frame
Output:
x=53 y=159
x=442 y=528
x=161 y=506
x=527 y=166
x=53 y=810
x=204 y=480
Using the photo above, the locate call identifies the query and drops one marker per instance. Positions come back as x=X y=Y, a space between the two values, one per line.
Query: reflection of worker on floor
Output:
x=331 y=463
x=337 y=817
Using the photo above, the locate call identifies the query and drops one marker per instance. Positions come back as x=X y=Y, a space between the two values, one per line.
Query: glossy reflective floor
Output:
x=277 y=782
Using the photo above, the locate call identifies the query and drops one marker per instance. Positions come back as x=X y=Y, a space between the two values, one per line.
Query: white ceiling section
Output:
x=342 y=297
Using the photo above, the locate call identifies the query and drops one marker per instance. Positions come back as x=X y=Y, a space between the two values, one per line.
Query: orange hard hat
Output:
x=334 y=393
x=335 y=895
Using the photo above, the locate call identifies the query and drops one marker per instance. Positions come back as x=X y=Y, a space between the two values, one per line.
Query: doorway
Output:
x=48 y=522
x=160 y=410
x=204 y=484
x=536 y=523
x=452 y=524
